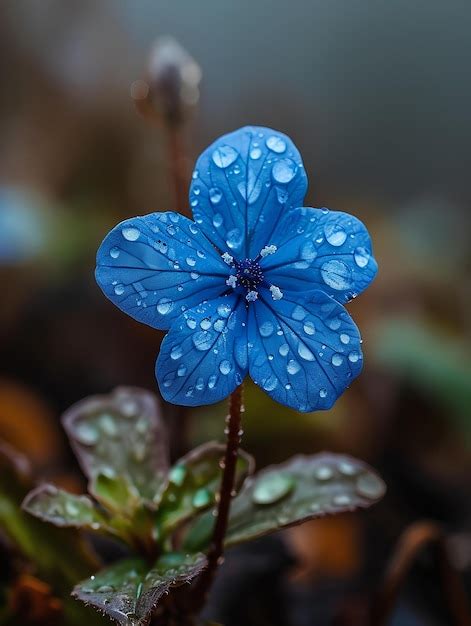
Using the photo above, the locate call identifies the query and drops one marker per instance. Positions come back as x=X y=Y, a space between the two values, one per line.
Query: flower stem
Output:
x=415 y=538
x=229 y=464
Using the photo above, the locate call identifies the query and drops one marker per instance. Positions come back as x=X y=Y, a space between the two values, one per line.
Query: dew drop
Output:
x=71 y=508
x=119 y=290
x=369 y=486
x=86 y=433
x=293 y=367
x=225 y=367
x=255 y=153
x=191 y=261
x=202 y=340
x=114 y=252
x=234 y=238
x=176 y=352
x=334 y=324
x=361 y=256
x=344 y=338
x=205 y=323
x=217 y=220
x=347 y=469
x=131 y=234
x=191 y=323
x=270 y=383
x=305 y=353
x=298 y=313
x=164 y=306
x=309 y=328
x=272 y=488
x=341 y=499
x=354 y=356
x=224 y=156
x=283 y=349
x=201 y=499
x=224 y=310
x=323 y=473
x=323 y=393
x=284 y=171
x=212 y=381
x=219 y=325
x=336 y=274
x=276 y=144
x=337 y=360
x=335 y=234
x=181 y=371
x=266 y=329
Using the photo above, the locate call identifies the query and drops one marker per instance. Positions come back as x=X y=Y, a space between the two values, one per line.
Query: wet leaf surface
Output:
x=121 y=434
x=128 y=592
x=194 y=482
x=303 y=488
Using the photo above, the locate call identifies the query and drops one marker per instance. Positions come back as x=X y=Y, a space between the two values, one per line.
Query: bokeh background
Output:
x=377 y=97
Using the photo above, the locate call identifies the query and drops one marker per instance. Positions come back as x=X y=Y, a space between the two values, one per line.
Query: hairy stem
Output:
x=414 y=539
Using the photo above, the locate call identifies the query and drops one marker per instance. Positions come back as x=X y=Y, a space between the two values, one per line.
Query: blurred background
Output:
x=377 y=99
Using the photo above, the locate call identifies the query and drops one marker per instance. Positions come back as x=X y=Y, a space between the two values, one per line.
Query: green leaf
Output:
x=128 y=592
x=61 y=508
x=59 y=555
x=121 y=435
x=194 y=482
x=303 y=488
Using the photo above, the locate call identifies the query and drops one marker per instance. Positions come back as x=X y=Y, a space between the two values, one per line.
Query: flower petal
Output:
x=241 y=186
x=321 y=249
x=204 y=356
x=303 y=355
x=153 y=267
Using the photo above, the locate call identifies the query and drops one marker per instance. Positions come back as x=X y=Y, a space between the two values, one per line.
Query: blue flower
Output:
x=254 y=285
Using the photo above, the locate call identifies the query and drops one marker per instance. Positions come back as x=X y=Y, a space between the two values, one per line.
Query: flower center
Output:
x=249 y=275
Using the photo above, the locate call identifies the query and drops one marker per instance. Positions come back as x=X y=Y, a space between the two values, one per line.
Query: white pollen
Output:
x=268 y=250
x=232 y=281
x=251 y=296
x=276 y=292
x=227 y=258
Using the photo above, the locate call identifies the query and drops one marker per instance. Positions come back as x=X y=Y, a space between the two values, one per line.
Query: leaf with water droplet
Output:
x=121 y=434
x=61 y=508
x=194 y=483
x=128 y=591
x=303 y=488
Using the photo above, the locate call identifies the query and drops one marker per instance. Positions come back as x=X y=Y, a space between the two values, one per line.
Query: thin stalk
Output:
x=229 y=464
x=414 y=539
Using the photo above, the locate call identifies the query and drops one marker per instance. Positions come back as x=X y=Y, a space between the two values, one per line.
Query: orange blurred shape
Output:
x=329 y=547
x=27 y=424
x=31 y=600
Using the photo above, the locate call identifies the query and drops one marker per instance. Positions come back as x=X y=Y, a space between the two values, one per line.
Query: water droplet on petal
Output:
x=176 y=352
x=323 y=473
x=293 y=367
x=361 y=256
x=191 y=261
x=71 y=508
x=225 y=367
x=212 y=381
x=283 y=349
x=205 y=323
x=323 y=393
x=344 y=338
x=276 y=144
x=337 y=360
x=266 y=329
x=336 y=274
x=114 y=252
x=347 y=469
x=255 y=153
x=309 y=328
x=298 y=313
x=284 y=171
x=335 y=234
x=224 y=156
x=177 y=475
x=203 y=340
x=86 y=433
x=131 y=234
x=272 y=488
x=305 y=353
x=219 y=325
x=270 y=383
x=181 y=371
x=119 y=290
x=342 y=499
x=234 y=238
x=354 y=356
x=164 y=305
x=217 y=220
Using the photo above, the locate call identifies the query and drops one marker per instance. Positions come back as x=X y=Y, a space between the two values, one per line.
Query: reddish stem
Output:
x=414 y=539
x=216 y=549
